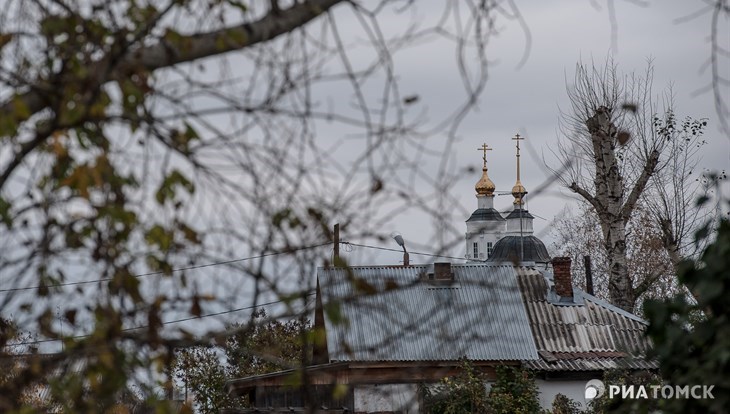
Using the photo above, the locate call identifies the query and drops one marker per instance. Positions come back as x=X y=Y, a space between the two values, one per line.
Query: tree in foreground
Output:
x=260 y=347
x=143 y=140
x=189 y=157
x=621 y=148
x=692 y=338
x=463 y=393
x=202 y=379
x=513 y=391
x=267 y=346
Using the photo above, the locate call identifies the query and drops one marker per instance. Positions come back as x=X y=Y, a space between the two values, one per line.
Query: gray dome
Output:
x=485 y=214
x=508 y=250
x=516 y=214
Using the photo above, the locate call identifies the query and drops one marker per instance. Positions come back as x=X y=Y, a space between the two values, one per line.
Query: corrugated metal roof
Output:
x=597 y=332
x=567 y=362
x=490 y=312
x=480 y=316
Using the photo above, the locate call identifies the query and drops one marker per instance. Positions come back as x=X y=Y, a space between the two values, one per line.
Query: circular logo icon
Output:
x=594 y=389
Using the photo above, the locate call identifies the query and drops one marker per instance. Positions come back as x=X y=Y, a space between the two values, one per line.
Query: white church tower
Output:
x=485 y=226
x=492 y=237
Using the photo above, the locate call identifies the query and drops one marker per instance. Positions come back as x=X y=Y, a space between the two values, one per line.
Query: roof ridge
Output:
x=394 y=266
x=609 y=306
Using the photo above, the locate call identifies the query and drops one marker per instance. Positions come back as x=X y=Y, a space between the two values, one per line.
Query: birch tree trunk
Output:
x=610 y=196
x=612 y=137
x=659 y=157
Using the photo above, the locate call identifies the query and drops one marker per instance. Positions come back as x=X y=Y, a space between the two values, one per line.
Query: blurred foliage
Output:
x=203 y=379
x=564 y=405
x=463 y=393
x=692 y=338
x=513 y=391
x=267 y=345
x=260 y=347
x=102 y=155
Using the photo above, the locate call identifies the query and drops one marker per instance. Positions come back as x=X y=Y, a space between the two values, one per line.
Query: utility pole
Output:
x=336 y=258
x=589 y=274
x=519 y=191
x=522 y=240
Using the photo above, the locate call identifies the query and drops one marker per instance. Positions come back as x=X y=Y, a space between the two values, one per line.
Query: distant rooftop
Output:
x=479 y=316
x=508 y=248
x=485 y=312
x=485 y=214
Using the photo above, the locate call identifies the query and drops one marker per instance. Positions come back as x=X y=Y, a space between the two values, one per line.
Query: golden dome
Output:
x=485 y=186
x=518 y=192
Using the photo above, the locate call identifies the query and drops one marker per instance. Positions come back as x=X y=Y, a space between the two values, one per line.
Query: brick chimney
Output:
x=563 y=280
x=442 y=271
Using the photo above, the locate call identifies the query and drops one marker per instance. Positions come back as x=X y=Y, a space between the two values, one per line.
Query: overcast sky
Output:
x=525 y=99
x=528 y=99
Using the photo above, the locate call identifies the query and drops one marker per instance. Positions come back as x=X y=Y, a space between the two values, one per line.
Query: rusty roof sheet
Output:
x=392 y=314
x=593 y=336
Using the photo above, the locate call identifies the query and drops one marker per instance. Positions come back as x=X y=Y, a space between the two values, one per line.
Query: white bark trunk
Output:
x=610 y=198
x=613 y=207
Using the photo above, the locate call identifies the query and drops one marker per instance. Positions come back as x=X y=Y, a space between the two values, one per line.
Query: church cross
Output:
x=484 y=148
x=518 y=138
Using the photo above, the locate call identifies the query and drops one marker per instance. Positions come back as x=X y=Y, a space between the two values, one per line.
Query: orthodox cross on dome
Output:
x=518 y=138
x=485 y=186
x=518 y=191
x=484 y=148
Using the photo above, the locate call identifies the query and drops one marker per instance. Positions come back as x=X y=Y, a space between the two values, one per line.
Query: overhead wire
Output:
x=181 y=269
x=400 y=251
x=189 y=318
x=346 y=243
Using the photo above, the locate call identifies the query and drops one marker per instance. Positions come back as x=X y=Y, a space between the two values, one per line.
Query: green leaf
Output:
x=362 y=286
x=5 y=216
x=239 y=5
x=20 y=113
x=189 y=234
x=178 y=41
x=20 y=109
x=160 y=237
x=334 y=313
x=278 y=218
x=167 y=188
x=158 y=265
x=181 y=139
x=339 y=391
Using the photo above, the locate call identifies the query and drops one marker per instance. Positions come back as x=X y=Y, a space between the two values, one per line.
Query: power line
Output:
x=83 y=282
x=189 y=318
x=401 y=251
x=216 y=264
x=207 y=315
